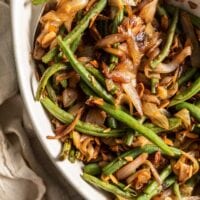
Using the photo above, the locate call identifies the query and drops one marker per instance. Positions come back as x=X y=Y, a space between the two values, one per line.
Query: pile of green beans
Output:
x=124 y=135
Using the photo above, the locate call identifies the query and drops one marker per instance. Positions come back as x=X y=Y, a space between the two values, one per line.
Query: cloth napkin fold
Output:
x=26 y=173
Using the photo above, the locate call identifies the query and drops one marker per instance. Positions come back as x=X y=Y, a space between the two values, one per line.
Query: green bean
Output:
x=170 y=36
x=76 y=42
x=97 y=74
x=116 y=22
x=50 y=90
x=197 y=104
x=128 y=140
x=164 y=174
x=177 y=190
x=174 y=123
x=50 y=55
x=112 y=123
x=187 y=76
x=65 y=150
x=86 y=89
x=92 y=169
x=108 y=187
x=194 y=110
x=187 y=93
x=88 y=78
x=45 y=77
x=152 y=188
x=87 y=128
x=167 y=183
x=53 y=52
x=72 y=157
x=135 y=125
x=120 y=161
x=125 y=188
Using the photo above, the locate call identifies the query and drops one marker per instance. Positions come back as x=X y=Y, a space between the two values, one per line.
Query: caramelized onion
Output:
x=156 y=115
x=154 y=172
x=69 y=97
x=110 y=40
x=133 y=95
x=147 y=13
x=139 y=178
x=170 y=67
x=184 y=115
x=96 y=116
x=130 y=168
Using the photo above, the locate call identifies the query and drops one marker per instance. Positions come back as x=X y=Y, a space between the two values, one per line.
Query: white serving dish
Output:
x=23 y=16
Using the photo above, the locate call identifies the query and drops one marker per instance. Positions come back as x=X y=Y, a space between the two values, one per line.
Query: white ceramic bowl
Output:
x=23 y=16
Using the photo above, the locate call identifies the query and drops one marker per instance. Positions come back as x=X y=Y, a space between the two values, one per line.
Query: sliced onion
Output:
x=75 y=108
x=134 y=51
x=154 y=172
x=110 y=40
x=170 y=67
x=184 y=115
x=132 y=93
x=69 y=97
x=162 y=92
x=140 y=141
x=96 y=116
x=67 y=10
x=76 y=139
x=130 y=168
x=151 y=98
x=124 y=99
x=156 y=115
x=193 y=160
x=114 y=51
x=148 y=11
x=142 y=177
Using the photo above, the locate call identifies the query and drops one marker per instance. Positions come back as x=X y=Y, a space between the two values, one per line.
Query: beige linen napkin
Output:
x=25 y=170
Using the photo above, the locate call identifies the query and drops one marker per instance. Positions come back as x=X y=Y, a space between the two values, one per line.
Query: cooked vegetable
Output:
x=45 y=77
x=166 y=49
x=85 y=75
x=152 y=189
x=177 y=191
x=67 y=118
x=107 y=187
x=120 y=82
x=135 y=125
x=187 y=93
x=194 y=110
